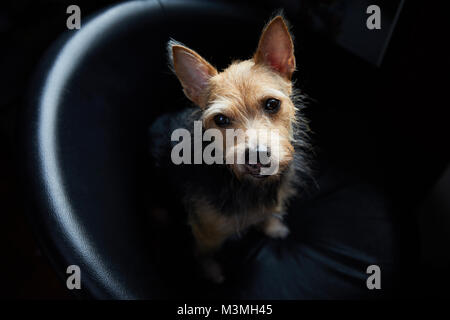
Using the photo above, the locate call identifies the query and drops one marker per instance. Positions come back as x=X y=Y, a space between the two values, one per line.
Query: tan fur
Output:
x=242 y=88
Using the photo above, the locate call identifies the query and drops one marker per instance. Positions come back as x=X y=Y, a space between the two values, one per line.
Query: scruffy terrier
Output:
x=224 y=199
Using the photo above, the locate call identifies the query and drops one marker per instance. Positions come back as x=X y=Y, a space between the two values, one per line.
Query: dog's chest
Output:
x=209 y=218
x=241 y=221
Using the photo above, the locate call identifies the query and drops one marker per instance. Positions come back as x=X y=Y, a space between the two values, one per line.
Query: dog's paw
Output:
x=213 y=271
x=275 y=228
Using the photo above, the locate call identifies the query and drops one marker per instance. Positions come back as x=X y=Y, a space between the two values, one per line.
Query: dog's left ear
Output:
x=276 y=49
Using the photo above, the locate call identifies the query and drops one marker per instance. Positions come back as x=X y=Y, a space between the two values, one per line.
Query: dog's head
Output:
x=250 y=102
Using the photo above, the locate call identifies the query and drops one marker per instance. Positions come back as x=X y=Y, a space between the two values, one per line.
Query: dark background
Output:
x=395 y=116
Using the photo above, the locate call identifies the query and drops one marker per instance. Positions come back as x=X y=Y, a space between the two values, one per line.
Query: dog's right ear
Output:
x=192 y=70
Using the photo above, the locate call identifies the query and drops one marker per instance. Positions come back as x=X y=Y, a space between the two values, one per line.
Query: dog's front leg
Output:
x=273 y=226
x=209 y=237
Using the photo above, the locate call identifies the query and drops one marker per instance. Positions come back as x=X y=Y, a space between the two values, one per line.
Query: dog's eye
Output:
x=221 y=120
x=272 y=105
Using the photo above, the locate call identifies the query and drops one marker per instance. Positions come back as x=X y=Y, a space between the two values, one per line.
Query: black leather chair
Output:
x=85 y=137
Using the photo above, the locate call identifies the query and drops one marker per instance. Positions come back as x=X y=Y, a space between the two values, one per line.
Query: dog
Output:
x=225 y=199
